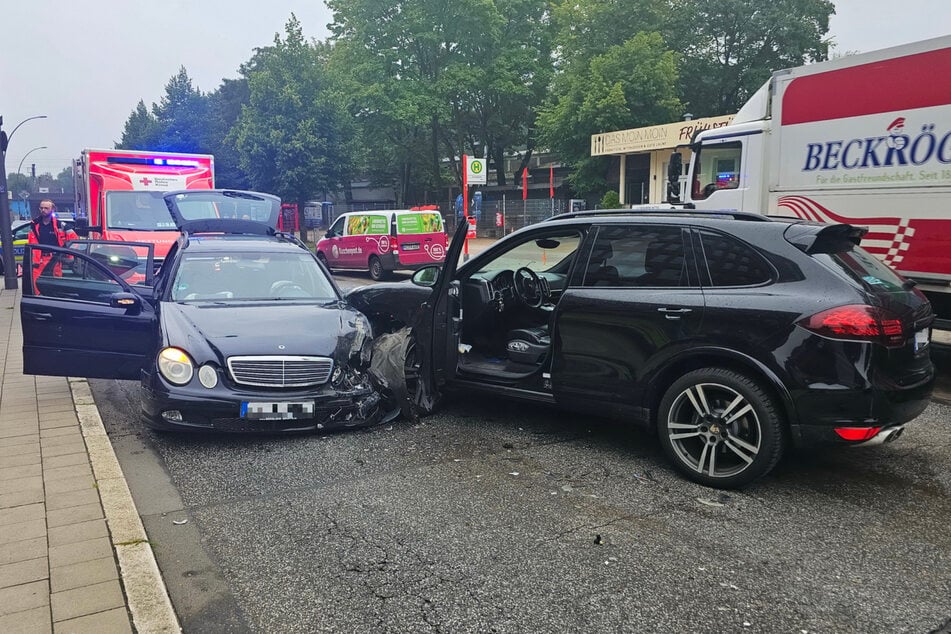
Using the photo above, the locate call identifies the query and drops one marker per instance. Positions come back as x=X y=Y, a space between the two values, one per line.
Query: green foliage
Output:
x=435 y=80
x=141 y=130
x=610 y=200
x=291 y=137
x=224 y=110
x=405 y=87
x=730 y=47
x=626 y=86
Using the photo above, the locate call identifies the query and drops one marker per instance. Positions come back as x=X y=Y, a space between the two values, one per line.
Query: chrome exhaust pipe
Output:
x=884 y=436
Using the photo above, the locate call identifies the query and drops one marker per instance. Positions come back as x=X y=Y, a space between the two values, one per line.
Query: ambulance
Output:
x=112 y=193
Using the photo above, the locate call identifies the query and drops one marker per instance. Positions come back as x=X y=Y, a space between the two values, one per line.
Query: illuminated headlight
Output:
x=175 y=366
x=208 y=376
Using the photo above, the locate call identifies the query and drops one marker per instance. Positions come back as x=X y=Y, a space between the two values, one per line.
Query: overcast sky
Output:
x=86 y=64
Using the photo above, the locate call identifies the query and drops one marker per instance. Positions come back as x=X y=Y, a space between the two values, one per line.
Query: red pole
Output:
x=465 y=201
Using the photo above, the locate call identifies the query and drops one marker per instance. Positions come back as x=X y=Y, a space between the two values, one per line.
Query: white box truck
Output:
x=863 y=139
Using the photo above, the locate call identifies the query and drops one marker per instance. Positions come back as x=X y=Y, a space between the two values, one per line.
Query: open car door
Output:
x=447 y=311
x=80 y=318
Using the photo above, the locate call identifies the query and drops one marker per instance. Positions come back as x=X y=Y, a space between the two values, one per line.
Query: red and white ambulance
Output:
x=384 y=241
x=112 y=193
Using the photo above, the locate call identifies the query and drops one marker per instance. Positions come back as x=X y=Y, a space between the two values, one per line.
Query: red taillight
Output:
x=857 y=433
x=857 y=321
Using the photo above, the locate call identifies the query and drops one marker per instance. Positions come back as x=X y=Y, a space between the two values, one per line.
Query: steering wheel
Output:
x=528 y=287
x=287 y=288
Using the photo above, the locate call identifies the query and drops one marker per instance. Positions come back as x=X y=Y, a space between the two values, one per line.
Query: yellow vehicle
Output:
x=20 y=231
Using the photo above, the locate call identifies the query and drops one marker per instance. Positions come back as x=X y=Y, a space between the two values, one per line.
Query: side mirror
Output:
x=329 y=234
x=427 y=276
x=127 y=301
x=81 y=227
x=674 y=170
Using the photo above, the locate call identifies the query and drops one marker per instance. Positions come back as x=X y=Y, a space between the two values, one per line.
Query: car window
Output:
x=637 y=256
x=857 y=264
x=71 y=277
x=251 y=276
x=733 y=263
x=337 y=227
x=538 y=254
x=22 y=233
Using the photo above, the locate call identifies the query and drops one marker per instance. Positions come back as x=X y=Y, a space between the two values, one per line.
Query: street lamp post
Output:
x=20 y=167
x=6 y=235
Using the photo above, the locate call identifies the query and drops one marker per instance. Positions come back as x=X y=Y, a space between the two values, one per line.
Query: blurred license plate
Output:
x=922 y=338
x=412 y=246
x=285 y=410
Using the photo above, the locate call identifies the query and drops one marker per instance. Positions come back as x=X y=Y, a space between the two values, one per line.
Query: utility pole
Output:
x=6 y=234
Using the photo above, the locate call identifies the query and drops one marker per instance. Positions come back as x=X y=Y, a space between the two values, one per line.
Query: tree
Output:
x=435 y=79
x=291 y=137
x=730 y=47
x=181 y=116
x=627 y=86
x=64 y=180
x=141 y=131
x=224 y=111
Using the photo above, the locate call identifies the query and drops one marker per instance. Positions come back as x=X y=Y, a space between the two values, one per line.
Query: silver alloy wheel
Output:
x=714 y=430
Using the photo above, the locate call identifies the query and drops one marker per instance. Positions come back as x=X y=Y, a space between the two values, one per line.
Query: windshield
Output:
x=538 y=255
x=140 y=211
x=251 y=276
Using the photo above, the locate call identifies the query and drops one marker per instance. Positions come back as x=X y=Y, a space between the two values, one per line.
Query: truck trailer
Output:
x=864 y=139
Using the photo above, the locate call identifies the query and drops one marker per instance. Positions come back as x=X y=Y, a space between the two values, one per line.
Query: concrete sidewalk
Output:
x=73 y=554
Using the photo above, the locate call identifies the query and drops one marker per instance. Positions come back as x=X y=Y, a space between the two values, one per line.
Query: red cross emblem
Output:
x=146 y=181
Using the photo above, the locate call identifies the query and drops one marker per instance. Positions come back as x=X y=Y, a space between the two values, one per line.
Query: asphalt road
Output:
x=498 y=517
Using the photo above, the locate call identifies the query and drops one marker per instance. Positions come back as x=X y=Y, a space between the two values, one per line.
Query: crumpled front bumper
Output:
x=219 y=409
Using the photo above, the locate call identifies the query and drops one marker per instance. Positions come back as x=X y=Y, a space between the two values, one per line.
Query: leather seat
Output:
x=528 y=345
x=664 y=263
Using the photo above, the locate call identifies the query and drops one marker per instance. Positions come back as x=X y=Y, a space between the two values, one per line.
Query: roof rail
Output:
x=678 y=211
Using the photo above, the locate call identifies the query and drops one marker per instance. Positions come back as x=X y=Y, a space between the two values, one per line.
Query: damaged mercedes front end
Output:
x=296 y=367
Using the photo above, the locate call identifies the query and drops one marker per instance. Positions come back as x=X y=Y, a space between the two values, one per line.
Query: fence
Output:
x=501 y=217
x=496 y=219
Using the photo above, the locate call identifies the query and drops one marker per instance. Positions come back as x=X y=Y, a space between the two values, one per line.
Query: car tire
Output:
x=323 y=260
x=720 y=428
x=377 y=272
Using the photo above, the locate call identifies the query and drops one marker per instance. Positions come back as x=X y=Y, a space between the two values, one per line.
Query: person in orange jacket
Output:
x=46 y=231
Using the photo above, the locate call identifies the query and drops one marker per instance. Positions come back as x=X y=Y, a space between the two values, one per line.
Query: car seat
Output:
x=664 y=263
x=600 y=273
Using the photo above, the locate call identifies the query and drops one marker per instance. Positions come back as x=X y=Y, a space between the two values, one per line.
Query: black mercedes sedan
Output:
x=241 y=329
x=732 y=335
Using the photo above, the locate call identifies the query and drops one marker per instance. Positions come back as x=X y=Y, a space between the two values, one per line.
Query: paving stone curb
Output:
x=146 y=594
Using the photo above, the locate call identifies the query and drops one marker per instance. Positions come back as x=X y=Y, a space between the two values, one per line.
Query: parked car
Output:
x=241 y=329
x=733 y=335
x=384 y=241
x=20 y=230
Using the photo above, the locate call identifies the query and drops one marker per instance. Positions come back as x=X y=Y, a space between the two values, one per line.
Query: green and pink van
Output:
x=384 y=241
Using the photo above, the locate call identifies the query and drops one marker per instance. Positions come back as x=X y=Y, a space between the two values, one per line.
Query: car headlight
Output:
x=175 y=366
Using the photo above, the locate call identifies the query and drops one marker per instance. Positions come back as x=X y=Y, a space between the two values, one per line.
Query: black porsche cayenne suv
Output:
x=733 y=335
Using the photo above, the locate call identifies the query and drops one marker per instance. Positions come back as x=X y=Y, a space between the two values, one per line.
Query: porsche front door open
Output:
x=446 y=318
x=81 y=319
